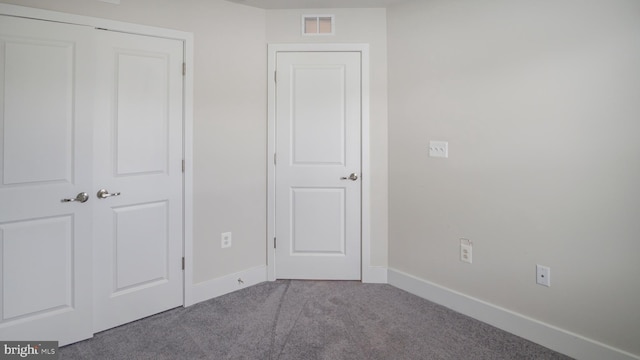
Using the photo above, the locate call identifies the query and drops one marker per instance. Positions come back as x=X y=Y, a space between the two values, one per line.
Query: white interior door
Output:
x=45 y=151
x=318 y=137
x=138 y=160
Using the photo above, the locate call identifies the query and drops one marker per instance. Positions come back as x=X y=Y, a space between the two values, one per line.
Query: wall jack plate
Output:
x=543 y=275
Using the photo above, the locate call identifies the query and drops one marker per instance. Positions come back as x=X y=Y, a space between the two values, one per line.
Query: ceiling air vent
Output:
x=318 y=25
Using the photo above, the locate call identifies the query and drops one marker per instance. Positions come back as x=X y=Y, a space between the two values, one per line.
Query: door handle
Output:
x=81 y=197
x=103 y=194
x=352 y=177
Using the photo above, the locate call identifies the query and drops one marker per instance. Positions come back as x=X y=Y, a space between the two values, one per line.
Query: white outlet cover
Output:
x=439 y=149
x=466 y=253
x=225 y=240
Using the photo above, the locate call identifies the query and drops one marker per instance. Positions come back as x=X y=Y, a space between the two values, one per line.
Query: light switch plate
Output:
x=439 y=149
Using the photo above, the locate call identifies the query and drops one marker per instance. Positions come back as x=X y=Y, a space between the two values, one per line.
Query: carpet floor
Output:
x=290 y=319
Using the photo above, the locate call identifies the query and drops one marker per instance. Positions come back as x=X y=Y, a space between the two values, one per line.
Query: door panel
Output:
x=318 y=120
x=318 y=116
x=41 y=72
x=141 y=245
x=138 y=152
x=311 y=233
x=53 y=239
x=45 y=151
x=142 y=90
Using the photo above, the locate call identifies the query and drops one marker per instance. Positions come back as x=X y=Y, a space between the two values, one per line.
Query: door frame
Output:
x=187 y=121
x=365 y=161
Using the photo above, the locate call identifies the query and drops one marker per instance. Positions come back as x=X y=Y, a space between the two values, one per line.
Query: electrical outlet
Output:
x=466 y=253
x=225 y=240
x=543 y=275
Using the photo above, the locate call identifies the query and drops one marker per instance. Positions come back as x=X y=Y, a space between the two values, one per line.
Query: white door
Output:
x=45 y=151
x=83 y=110
x=318 y=136
x=138 y=161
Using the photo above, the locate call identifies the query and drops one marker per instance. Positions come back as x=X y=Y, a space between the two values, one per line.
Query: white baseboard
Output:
x=560 y=340
x=374 y=275
x=229 y=283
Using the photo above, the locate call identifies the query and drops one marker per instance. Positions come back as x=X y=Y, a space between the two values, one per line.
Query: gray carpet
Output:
x=309 y=320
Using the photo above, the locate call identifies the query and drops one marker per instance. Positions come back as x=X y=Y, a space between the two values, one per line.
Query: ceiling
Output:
x=318 y=4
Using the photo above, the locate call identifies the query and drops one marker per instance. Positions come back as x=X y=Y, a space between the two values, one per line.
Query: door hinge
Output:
x=183 y=263
x=275 y=76
x=274 y=159
x=183 y=165
x=274 y=242
x=184 y=69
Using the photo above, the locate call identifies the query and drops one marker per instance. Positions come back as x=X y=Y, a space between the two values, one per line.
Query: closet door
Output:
x=45 y=172
x=138 y=165
x=91 y=183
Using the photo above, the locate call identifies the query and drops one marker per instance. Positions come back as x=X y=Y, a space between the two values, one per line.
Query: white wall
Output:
x=540 y=103
x=355 y=26
x=229 y=119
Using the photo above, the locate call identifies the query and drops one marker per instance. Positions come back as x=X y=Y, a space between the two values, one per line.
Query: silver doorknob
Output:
x=81 y=197
x=352 y=177
x=103 y=194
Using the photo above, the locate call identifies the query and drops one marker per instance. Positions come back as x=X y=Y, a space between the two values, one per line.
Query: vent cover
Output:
x=318 y=25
